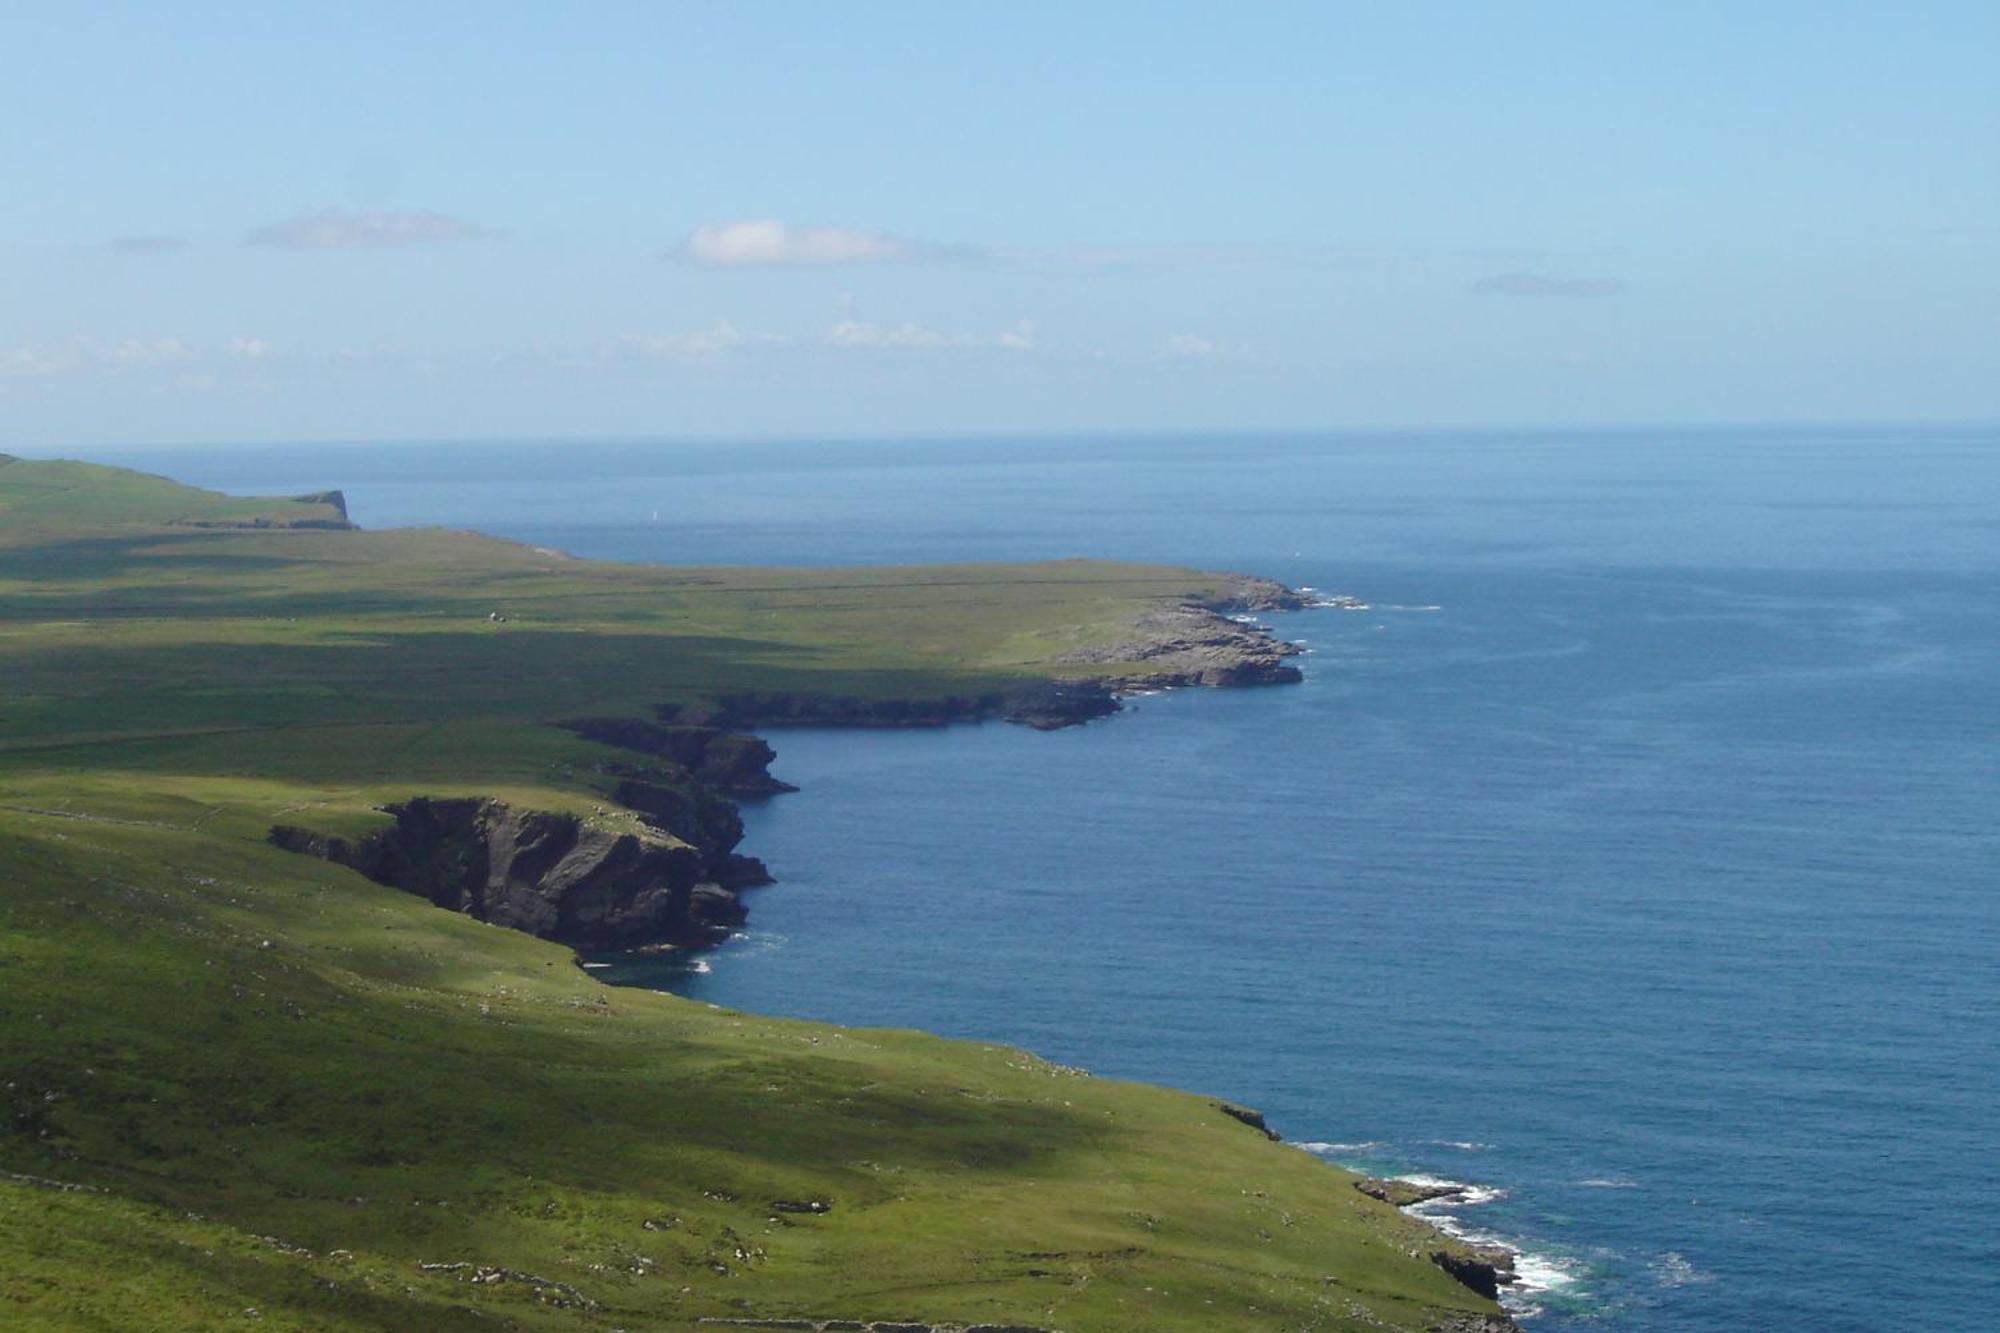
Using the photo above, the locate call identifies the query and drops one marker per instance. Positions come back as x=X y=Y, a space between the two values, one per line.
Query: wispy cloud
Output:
x=1545 y=284
x=1190 y=347
x=713 y=341
x=333 y=229
x=146 y=244
x=86 y=355
x=863 y=335
x=769 y=243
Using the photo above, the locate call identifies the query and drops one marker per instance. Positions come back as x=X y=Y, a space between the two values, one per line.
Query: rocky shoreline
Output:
x=661 y=870
x=1484 y=1268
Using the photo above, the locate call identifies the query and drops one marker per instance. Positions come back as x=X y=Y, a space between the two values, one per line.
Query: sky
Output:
x=249 y=222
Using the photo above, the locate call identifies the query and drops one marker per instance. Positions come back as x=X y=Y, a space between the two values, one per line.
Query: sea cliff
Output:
x=670 y=875
x=325 y=1103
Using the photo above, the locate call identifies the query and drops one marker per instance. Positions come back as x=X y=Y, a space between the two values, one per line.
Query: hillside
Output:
x=244 y=1084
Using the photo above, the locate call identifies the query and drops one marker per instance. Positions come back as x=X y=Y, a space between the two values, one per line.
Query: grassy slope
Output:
x=286 y=1088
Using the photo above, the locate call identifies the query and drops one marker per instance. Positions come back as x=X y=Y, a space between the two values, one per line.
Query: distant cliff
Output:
x=551 y=875
x=672 y=874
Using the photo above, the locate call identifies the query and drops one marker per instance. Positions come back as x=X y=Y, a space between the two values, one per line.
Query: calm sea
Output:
x=1633 y=858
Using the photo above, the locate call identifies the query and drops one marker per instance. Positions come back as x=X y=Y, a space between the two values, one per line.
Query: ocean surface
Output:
x=1633 y=857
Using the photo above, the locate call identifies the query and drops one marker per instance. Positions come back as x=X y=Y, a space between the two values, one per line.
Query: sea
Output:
x=1631 y=859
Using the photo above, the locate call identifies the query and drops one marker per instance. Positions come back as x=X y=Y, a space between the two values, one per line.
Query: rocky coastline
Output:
x=660 y=867
x=1484 y=1268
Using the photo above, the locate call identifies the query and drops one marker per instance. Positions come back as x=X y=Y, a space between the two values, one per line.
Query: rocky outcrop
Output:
x=1193 y=645
x=719 y=759
x=674 y=878
x=1247 y=592
x=1475 y=1270
x=1484 y=1268
x=552 y=875
x=334 y=500
x=312 y=513
x=1404 y=1193
x=1049 y=705
x=1254 y=1119
x=697 y=816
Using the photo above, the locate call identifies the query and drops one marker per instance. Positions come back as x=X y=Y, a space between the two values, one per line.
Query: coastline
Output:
x=657 y=866
x=325 y=700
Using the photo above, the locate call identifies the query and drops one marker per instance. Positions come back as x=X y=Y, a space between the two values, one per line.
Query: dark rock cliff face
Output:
x=278 y=518
x=1251 y=1117
x=673 y=878
x=718 y=759
x=670 y=879
x=1195 y=643
x=550 y=875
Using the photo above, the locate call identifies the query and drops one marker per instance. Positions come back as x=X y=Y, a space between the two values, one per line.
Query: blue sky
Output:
x=250 y=222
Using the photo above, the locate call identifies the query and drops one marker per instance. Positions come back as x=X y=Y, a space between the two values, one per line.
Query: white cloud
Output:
x=249 y=349
x=857 y=334
x=147 y=352
x=77 y=355
x=709 y=342
x=333 y=229
x=1191 y=347
x=766 y=242
x=38 y=362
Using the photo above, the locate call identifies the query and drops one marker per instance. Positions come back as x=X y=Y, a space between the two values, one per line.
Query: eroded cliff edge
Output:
x=662 y=869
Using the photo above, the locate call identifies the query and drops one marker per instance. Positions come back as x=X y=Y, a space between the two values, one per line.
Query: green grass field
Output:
x=246 y=1086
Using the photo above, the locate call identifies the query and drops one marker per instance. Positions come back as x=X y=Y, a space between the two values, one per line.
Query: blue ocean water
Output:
x=1633 y=857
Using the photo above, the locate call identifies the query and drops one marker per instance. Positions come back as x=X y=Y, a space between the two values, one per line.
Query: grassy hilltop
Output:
x=242 y=1085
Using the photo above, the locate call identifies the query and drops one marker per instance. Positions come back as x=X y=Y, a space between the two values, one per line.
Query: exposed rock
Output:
x=1254 y=1119
x=1481 y=1276
x=1247 y=592
x=548 y=874
x=277 y=517
x=546 y=1289
x=334 y=500
x=1502 y=1260
x=1191 y=645
x=1403 y=1193
x=722 y=760
x=1050 y=705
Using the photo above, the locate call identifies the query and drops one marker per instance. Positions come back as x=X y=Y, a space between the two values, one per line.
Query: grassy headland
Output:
x=245 y=1085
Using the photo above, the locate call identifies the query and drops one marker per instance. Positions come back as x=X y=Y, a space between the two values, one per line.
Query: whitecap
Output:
x=1328 y=1149
x=1537 y=1274
x=1439 y=1211
x=1673 y=1269
x=1463 y=1145
x=1608 y=1183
